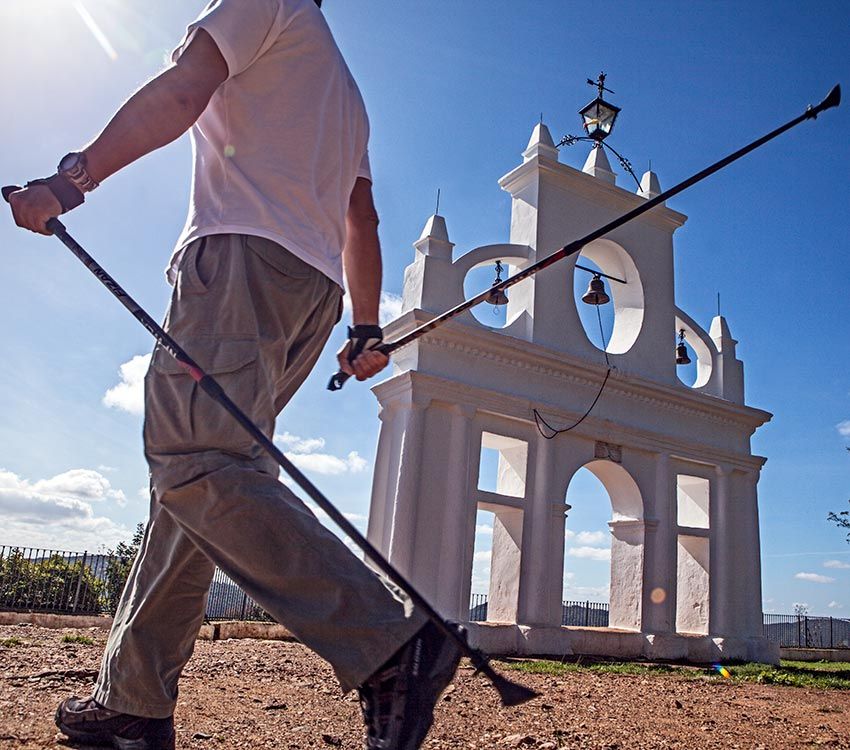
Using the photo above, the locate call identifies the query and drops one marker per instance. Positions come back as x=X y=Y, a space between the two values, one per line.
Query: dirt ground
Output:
x=241 y=694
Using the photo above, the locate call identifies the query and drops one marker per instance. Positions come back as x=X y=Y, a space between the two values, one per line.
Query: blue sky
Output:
x=453 y=91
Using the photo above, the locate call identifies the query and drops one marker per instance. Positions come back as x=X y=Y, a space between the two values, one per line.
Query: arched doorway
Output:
x=589 y=546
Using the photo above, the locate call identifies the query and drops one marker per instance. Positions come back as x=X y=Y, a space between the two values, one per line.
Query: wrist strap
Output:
x=65 y=191
x=363 y=337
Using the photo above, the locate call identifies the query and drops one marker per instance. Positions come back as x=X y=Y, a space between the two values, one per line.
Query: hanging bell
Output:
x=596 y=294
x=682 y=357
x=497 y=298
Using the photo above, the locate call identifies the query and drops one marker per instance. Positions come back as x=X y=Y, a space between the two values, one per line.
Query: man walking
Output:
x=281 y=202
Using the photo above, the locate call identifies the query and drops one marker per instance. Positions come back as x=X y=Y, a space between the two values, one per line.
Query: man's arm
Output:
x=157 y=114
x=361 y=259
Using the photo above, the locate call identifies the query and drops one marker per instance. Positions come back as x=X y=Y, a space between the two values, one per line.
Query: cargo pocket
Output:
x=181 y=418
x=191 y=278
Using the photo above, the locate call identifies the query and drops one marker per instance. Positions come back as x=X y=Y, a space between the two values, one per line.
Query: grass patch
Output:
x=11 y=642
x=83 y=639
x=822 y=675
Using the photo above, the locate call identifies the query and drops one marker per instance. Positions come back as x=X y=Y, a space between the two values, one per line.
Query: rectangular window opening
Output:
x=502 y=465
x=692 y=495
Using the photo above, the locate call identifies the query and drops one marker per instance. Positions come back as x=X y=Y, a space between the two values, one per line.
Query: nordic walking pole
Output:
x=832 y=100
x=511 y=693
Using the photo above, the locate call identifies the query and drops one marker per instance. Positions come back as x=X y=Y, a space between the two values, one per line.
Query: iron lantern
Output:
x=598 y=118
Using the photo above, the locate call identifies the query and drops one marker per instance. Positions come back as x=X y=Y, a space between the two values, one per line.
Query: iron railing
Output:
x=583 y=614
x=58 y=581
x=49 y=580
x=806 y=631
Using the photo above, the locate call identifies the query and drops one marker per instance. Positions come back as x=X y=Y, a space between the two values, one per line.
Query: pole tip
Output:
x=833 y=99
x=511 y=693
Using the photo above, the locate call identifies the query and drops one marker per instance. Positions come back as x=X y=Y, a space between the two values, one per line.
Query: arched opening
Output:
x=698 y=347
x=603 y=565
x=482 y=273
x=622 y=318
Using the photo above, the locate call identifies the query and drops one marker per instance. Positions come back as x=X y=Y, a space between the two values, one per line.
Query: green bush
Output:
x=48 y=584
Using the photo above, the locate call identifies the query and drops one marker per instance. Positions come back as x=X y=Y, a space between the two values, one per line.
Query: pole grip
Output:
x=338 y=380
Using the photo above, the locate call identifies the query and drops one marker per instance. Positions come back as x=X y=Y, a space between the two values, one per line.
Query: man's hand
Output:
x=358 y=357
x=364 y=366
x=33 y=207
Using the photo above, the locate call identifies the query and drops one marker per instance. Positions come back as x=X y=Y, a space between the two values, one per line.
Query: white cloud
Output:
x=589 y=538
x=837 y=564
x=590 y=553
x=814 y=577
x=834 y=605
x=483 y=528
x=599 y=593
x=129 y=394
x=324 y=463
x=481 y=570
x=843 y=428
x=303 y=453
x=299 y=445
x=59 y=512
x=390 y=307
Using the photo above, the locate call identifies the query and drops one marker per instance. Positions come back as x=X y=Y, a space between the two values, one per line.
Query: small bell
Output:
x=497 y=298
x=682 y=357
x=596 y=294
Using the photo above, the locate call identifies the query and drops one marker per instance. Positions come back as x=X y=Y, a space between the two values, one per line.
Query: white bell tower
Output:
x=675 y=459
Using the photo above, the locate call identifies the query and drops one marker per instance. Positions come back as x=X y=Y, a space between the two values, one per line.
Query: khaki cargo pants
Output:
x=256 y=318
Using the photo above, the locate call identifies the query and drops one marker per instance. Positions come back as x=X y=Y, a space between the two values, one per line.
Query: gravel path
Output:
x=243 y=694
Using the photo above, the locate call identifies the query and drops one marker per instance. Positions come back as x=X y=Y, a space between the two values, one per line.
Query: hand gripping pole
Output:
x=833 y=98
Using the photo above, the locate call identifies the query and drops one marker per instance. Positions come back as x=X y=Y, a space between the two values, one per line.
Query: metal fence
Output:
x=806 y=631
x=582 y=614
x=229 y=602
x=47 y=580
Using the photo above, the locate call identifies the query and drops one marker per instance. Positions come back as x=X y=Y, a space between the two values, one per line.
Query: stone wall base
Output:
x=526 y=640
x=815 y=654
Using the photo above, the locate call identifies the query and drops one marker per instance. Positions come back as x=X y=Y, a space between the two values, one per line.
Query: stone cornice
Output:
x=589 y=188
x=404 y=385
x=478 y=343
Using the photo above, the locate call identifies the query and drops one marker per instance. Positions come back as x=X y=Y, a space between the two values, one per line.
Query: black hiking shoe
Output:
x=85 y=721
x=398 y=700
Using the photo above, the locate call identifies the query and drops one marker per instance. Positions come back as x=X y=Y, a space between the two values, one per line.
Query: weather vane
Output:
x=598 y=120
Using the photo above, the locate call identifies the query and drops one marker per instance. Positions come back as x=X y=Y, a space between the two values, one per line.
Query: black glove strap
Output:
x=65 y=191
x=363 y=337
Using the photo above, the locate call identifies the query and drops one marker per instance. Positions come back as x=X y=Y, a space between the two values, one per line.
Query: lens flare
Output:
x=722 y=671
x=95 y=30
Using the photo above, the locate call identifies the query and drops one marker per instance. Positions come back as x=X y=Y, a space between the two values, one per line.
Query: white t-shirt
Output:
x=283 y=139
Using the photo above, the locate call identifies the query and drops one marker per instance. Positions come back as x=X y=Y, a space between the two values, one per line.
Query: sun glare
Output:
x=51 y=13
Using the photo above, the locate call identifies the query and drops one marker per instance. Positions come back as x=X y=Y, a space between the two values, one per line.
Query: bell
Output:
x=682 y=357
x=596 y=294
x=498 y=297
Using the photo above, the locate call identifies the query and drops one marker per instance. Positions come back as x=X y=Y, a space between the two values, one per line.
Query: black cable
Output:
x=538 y=417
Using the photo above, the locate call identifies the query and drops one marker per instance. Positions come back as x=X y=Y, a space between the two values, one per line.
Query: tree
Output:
x=842 y=520
x=118 y=568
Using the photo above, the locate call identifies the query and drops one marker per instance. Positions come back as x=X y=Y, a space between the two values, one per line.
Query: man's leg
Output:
x=156 y=623
x=257 y=329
